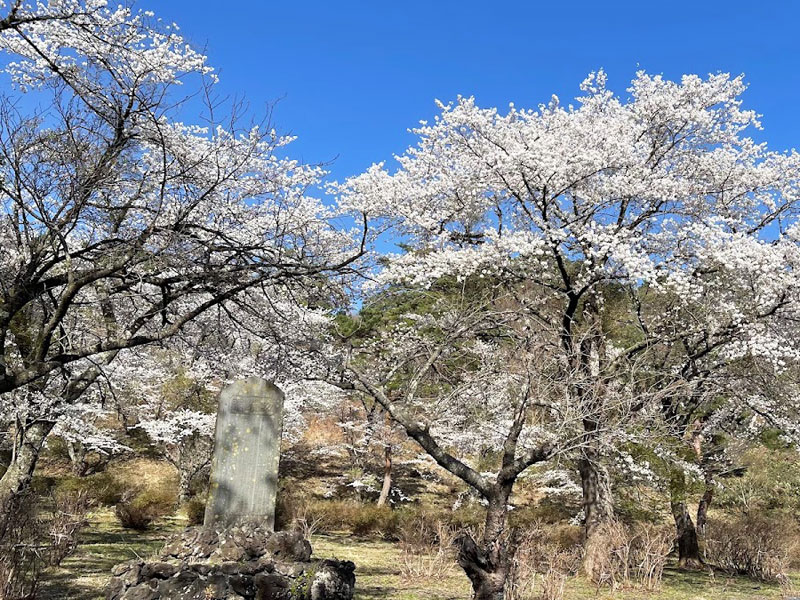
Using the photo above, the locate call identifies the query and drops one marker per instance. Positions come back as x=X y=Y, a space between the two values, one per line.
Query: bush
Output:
x=751 y=545
x=32 y=538
x=650 y=546
x=624 y=554
x=69 y=516
x=20 y=565
x=427 y=549
x=542 y=557
x=196 y=511
x=371 y=519
x=138 y=509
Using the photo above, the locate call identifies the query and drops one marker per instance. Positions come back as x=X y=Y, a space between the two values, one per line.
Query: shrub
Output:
x=291 y=505
x=32 y=538
x=541 y=558
x=371 y=519
x=196 y=511
x=329 y=515
x=751 y=545
x=69 y=516
x=138 y=509
x=20 y=565
x=426 y=549
x=624 y=554
x=650 y=546
x=465 y=517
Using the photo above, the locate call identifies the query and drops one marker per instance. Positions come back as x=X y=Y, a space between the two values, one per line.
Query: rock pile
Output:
x=240 y=563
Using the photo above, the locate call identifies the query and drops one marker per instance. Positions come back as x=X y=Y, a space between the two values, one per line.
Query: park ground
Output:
x=105 y=543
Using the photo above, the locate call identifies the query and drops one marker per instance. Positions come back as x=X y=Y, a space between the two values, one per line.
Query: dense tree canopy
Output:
x=656 y=243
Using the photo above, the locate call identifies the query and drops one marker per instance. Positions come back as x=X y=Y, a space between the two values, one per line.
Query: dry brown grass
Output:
x=148 y=473
x=322 y=432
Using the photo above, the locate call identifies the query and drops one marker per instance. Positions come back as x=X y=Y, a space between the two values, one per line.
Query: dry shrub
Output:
x=155 y=474
x=32 y=538
x=102 y=488
x=306 y=523
x=294 y=511
x=20 y=565
x=751 y=545
x=545 y=556
x=607 y=555
x=621 y=555
x=322 y=432
x=374 y=520
x=427 y=549
x=196 y=511
x=139 y=508
x=69 y=516
x=299 y=511
x=649 y=549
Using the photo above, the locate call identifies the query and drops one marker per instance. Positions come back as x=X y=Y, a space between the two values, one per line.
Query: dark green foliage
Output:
x=196 y=510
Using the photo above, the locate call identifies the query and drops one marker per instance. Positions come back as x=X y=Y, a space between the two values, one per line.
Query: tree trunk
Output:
x=488 y=565
x=29 y=442
x=686 y=534
x=598 y=507
x=688 y=546
x=184 y=484
x=387 y=476
x=702 y=513
x=77 y=455
x=702 y=510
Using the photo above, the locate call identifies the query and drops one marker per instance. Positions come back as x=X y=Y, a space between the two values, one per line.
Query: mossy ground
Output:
x=104 y=543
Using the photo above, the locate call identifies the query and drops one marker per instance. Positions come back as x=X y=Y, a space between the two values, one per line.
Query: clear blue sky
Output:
x=353 y=76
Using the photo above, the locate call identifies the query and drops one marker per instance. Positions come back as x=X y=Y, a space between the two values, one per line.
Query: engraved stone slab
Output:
x=247 y=444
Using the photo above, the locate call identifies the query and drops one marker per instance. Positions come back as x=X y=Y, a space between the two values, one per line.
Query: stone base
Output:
x=242 y=563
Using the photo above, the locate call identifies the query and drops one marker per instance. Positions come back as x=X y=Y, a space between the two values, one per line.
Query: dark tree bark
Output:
x=488 y=563
x=686 y=534
x=688 y=545
x=702 y=510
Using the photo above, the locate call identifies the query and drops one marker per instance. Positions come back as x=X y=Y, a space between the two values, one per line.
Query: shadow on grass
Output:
x=688 y=580
x=101 y=546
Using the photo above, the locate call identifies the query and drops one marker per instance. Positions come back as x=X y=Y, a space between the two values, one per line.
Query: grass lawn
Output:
x=378 y=574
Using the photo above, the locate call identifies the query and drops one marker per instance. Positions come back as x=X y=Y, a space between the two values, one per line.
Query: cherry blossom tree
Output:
x=460 y=372
x=729 y=402
x=639 y=224
x=120 y=223
x=186 y=437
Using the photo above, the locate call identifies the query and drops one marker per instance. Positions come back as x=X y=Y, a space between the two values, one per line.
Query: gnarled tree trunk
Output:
x=487 y=564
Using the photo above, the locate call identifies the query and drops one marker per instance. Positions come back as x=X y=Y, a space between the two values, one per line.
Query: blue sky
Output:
x=351 y=77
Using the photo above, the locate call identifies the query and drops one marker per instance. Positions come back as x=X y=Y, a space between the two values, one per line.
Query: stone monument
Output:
x=236 y=555
x=247 y=446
